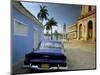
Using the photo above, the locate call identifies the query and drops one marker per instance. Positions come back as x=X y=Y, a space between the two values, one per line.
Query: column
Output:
x=94 y=31
x=86 y=31
x=77 y=32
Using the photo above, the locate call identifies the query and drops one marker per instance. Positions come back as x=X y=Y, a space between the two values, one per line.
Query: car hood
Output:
x=50 y=51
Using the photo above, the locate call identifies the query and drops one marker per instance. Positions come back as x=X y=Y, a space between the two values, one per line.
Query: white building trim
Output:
x=21 y=31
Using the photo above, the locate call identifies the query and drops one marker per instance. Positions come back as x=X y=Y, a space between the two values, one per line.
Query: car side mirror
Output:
x=34 y=49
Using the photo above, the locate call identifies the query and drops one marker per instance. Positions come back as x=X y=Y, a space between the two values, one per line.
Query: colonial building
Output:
x=27 y=31
x=86 y=24
x=85 y=27
x=72 y=34
x=56 y=36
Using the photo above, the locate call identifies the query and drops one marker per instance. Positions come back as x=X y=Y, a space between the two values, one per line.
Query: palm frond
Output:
x=43 y=13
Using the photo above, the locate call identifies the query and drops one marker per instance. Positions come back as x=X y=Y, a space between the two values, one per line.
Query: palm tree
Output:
x=51 y=22
x=43 y=13
x=47 y=30
x=56 y=34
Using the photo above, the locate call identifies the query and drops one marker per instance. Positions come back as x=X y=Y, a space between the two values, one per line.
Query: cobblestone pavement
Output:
x=80 y=54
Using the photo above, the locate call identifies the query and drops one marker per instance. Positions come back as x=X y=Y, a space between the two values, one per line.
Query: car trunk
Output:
x=46 y=56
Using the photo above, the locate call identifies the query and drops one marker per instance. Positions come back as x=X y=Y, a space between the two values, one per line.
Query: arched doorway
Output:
x=89 y=8
x=90 y=30
x=80 y=31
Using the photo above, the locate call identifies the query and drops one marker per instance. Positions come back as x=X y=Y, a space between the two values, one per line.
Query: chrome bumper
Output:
x=37 y=68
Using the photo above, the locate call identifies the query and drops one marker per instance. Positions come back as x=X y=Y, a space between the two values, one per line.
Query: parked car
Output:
x=48 y=56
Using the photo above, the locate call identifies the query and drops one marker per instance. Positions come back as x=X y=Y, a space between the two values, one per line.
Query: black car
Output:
x=48 y=56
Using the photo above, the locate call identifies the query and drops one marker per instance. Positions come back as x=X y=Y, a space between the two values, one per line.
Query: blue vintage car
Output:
x=48 y=56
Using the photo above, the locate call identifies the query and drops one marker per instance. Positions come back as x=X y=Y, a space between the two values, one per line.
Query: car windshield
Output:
x=51 y=45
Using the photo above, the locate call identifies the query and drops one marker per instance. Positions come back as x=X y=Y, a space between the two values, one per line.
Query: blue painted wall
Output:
x=23 y=44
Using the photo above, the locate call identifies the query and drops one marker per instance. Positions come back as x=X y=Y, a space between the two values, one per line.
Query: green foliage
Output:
x=43 y=13
x=51 y=22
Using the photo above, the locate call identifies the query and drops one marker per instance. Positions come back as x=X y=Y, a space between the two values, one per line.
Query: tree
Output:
x=47 y=30
x=51 y=22
x=56 y=34
x=43 y=13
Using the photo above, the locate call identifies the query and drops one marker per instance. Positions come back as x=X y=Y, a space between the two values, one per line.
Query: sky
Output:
x=62 y=13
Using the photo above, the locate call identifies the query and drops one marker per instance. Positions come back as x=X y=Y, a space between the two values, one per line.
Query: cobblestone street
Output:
x=80 y=54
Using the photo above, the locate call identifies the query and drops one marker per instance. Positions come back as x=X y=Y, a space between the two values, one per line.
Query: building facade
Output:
x=85 y=27
x=58 y=36
x=72 y=34
x=86 y=24
x=26 y=30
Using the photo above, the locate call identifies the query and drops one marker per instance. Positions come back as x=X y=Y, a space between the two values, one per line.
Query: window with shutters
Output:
x=20 y=28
